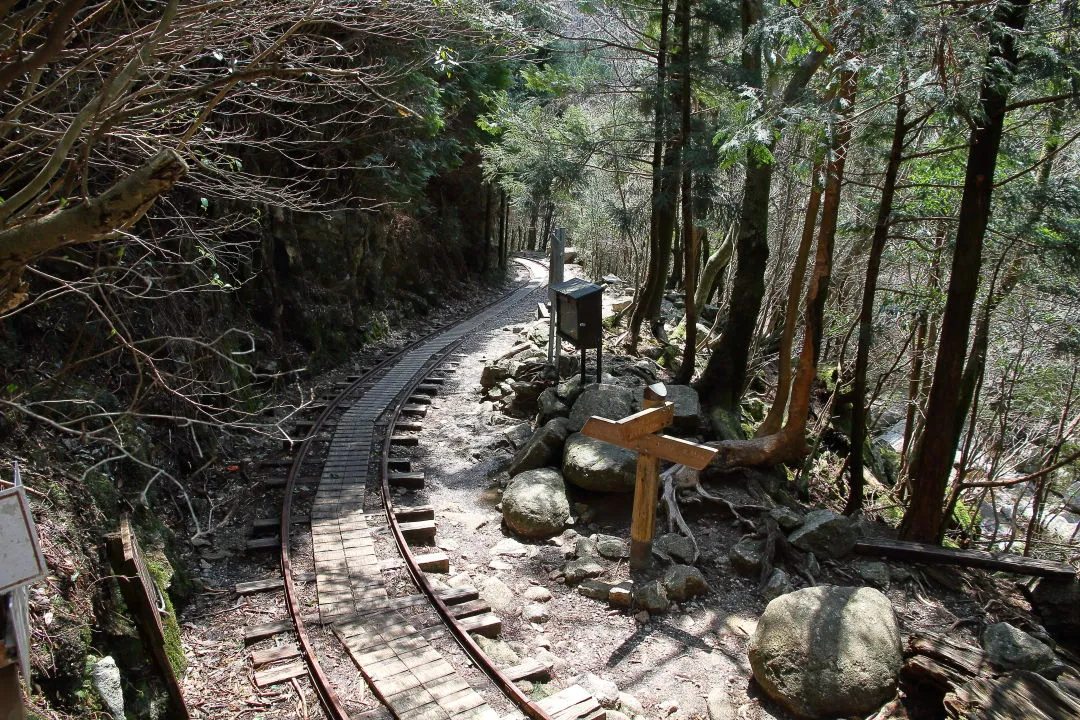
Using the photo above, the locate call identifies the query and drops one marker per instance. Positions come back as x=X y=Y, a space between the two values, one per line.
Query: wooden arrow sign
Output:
x=637 y=432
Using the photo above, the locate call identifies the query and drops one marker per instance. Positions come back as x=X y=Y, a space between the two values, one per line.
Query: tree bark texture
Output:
x=866 y=313
x=924 y=520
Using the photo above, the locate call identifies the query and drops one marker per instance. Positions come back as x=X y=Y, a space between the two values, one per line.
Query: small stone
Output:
x=584 y=512
x=542 y=641
x=585 y=547
x=536 y=613
x=682 y=582
x=678 y=548
x=606 y=692
x=526 y=686
x=501 y=565
x=667 y=707
x=510 y=547
x=577 y=570
x=720 y=705
x=616 y=715
x=779 y=583
x=622 y=595
x=786 y=518
x=611 y=547
x=595 y=589
x=537 y=593
x=826 y=533
x=459 y=580
x=651 y=596
x=874 y=572
x=549 y=557
x=642 y=617
x=448 y=544
x=517 y=435
x=746 y=556
x=499 y=596
x=499 y=652
x=630 y=704
x=105 y=677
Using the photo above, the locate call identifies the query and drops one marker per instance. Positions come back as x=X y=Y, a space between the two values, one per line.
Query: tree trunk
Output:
x=534 y=219
x=866 y=316
x=775 y=417
x=689 y=237
x=654 y=273
x=924 y=520
x=722 y=381
x=489 y=216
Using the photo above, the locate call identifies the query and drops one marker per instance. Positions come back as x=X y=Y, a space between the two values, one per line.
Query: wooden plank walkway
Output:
x=398 y=660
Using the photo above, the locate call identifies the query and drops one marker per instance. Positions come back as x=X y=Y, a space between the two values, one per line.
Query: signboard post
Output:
x=21 y=563
x=639 y=432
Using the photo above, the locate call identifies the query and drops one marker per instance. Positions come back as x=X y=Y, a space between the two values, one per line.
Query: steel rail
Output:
x=329 y=699
x=463 y=638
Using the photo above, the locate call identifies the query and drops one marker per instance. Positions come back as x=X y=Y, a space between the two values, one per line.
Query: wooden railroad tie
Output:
x=420 y=410
x=255 y=586
x=410 y=480
x=271 y=655
x=529 y=670
x=272 y=676
x=573 y=702
x=435 y=562
x=420 y=399
x=408 y=426
x=487 y=624
x=418 y=531
x=270 y=542
x=414 y=513
x=427 y=388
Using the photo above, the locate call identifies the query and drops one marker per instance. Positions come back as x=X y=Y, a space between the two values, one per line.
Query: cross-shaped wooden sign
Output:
x=639 y=432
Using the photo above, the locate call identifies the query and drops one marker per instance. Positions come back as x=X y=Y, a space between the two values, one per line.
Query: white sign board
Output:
x=21 y=560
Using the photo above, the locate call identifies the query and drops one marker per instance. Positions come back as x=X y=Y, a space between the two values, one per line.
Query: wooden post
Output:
x=646 y=487
x=638 y=432
x=11 y=705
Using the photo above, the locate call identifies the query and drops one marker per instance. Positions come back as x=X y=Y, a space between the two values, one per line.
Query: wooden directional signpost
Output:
x=639 y=432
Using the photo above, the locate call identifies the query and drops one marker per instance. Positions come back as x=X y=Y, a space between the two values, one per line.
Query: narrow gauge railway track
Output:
x=410 y=677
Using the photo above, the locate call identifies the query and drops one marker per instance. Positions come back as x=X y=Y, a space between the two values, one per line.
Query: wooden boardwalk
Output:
x=397 y=659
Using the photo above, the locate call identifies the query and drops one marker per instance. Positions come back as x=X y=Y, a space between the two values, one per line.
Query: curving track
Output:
x=399 y=661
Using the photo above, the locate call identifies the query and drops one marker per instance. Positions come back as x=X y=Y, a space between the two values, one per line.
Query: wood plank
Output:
x=453 y=596
x=418 y=531
x=420 y=399
x=411 y=513
x=262 y=657
x=271 y=542
x=436 y=562
x=487 y=624
x=427 y=389
x=472 y=607
x=412 y=409
x=248 y=588
x=1017 y=695
x=584 y=710
x=265 y=630
x=461 y=701
x=411 y=480
x=920 y=552
x=630 y=427
x=530 y=669
x=564 y=699
x=275 y=675
x=408 y=426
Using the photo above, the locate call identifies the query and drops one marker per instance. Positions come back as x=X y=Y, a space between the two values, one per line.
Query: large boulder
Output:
x=828 y=651
x=596 y=465
x=1058 y=602
x=613 y=402
x=1010 y=648
x=543 y=448
x=534 y=504
x=105 y=678
x=826 y=534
